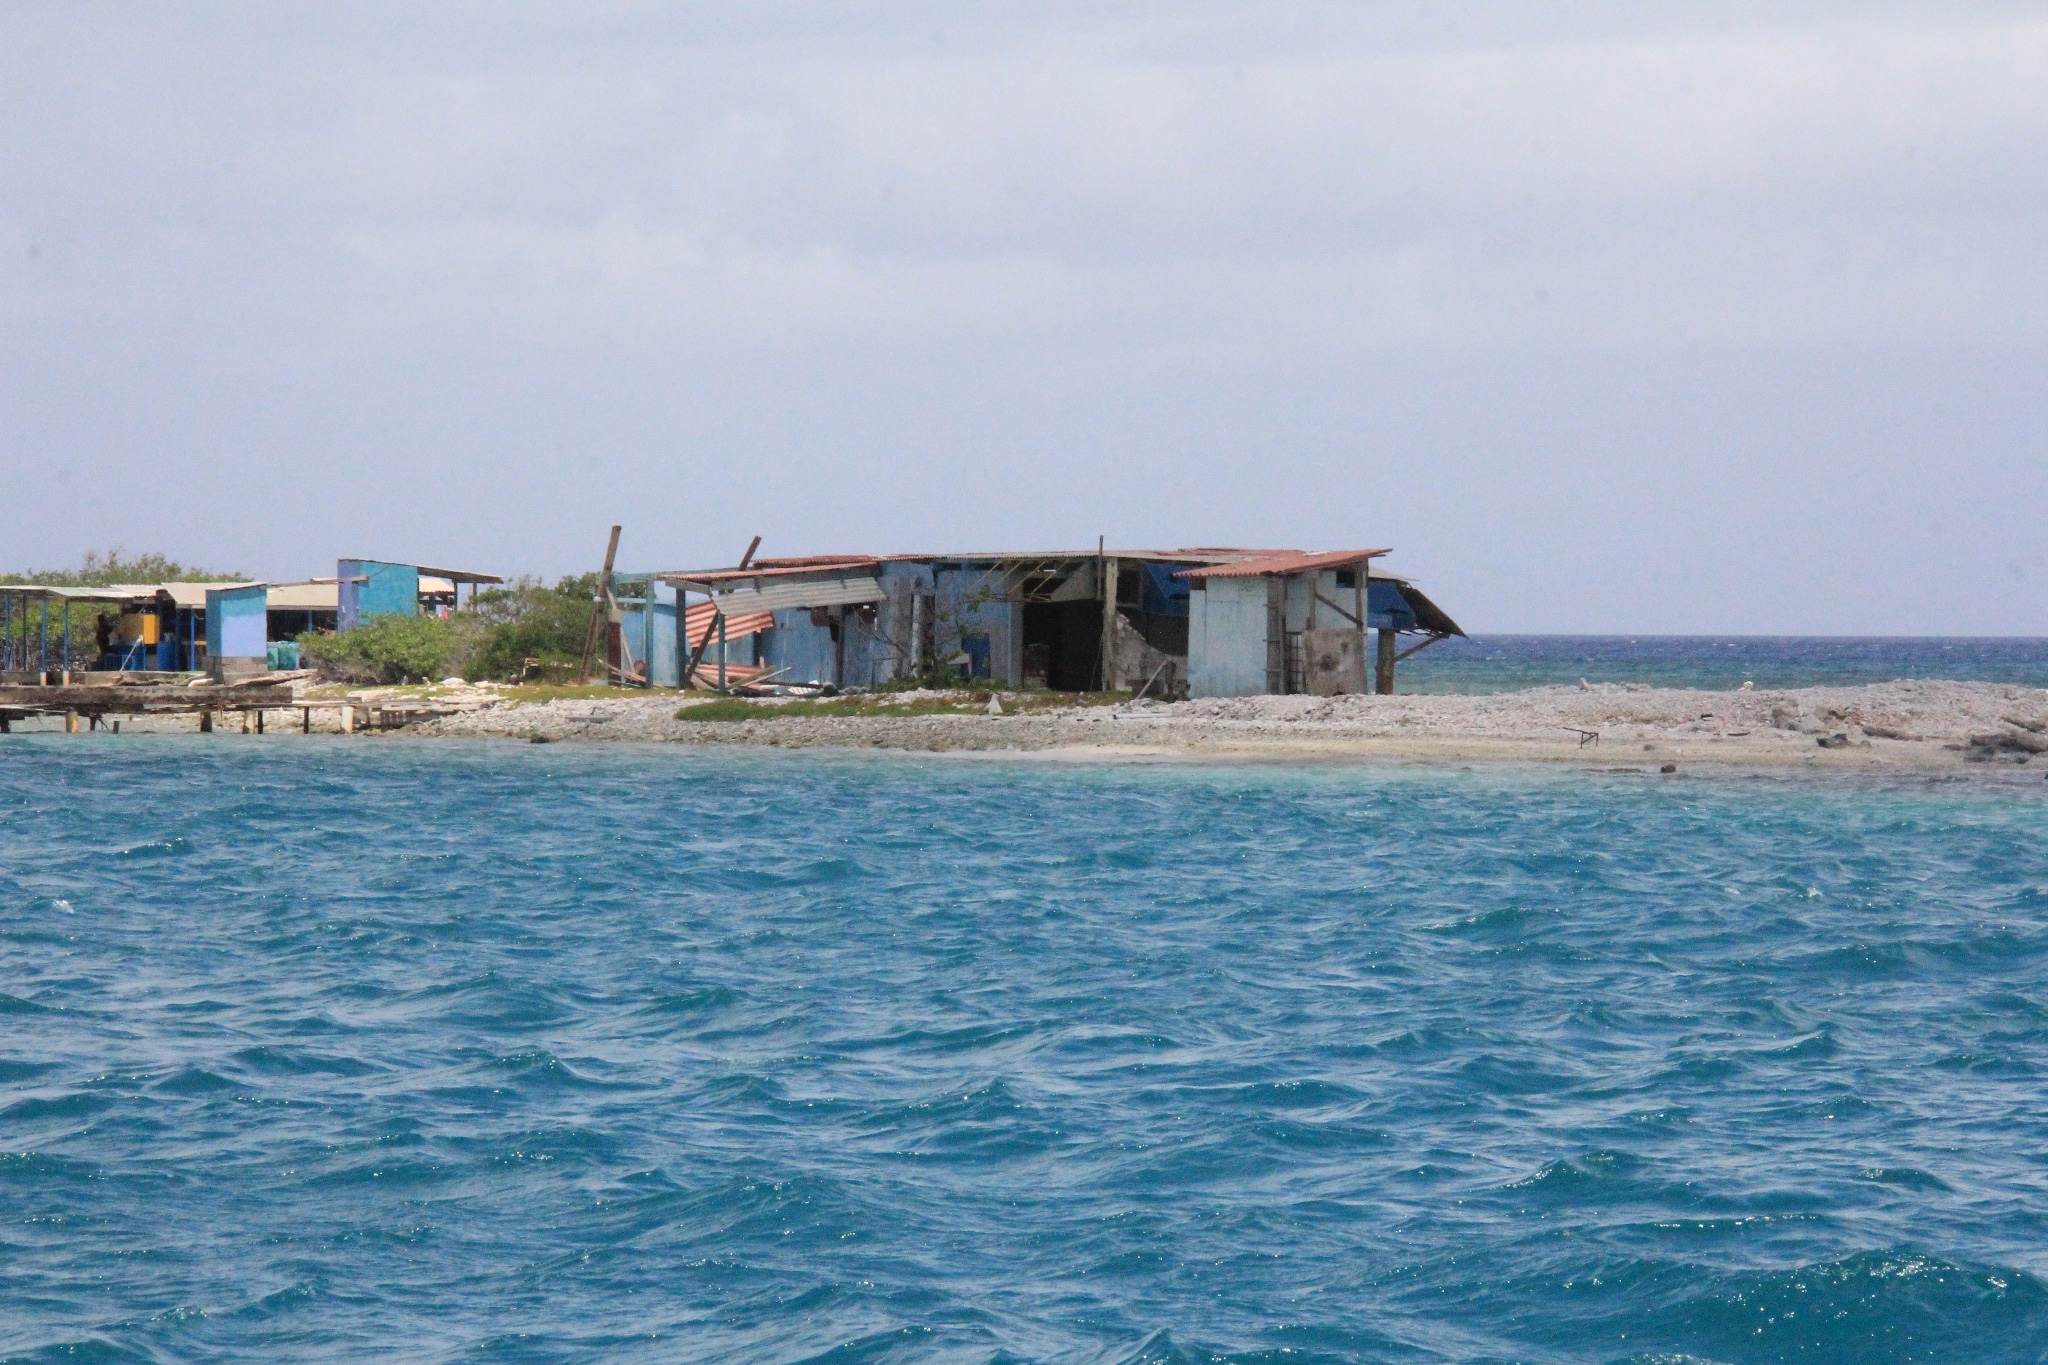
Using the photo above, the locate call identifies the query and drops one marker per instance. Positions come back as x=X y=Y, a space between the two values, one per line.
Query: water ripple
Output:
x=424 y=1053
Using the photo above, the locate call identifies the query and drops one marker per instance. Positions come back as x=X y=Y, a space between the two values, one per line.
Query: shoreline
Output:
x=1903 y=727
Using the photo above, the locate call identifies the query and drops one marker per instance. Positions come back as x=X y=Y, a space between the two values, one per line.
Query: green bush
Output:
x=526 y=620
x=388 y=649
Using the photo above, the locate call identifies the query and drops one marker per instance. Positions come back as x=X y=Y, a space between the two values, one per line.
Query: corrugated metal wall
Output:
x=1227 y=638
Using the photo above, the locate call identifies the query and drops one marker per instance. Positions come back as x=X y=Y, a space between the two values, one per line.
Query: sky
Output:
x=1606 y=317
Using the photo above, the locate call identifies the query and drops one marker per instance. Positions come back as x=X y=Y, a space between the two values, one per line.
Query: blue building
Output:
x=369 y=588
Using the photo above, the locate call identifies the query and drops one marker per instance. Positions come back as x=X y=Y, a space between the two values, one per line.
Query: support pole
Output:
x=1358 y=585
x=1383 y=676
x=721 y=651
x=206 y=722
x=682 y=639
x=647 y=603
x=1109 y=577
x=599 y=615
x=43 y=646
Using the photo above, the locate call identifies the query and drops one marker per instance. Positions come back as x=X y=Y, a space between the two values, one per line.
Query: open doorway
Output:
x=1062 y=645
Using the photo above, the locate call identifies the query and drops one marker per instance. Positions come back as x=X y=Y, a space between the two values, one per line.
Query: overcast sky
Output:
x=1627 y=317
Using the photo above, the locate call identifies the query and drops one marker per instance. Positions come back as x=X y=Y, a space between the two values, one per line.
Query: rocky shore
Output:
x=1898 y=724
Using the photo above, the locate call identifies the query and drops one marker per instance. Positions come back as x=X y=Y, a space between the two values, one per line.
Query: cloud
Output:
x=811 y=241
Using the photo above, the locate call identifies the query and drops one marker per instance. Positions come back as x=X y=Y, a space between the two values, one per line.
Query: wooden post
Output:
x=647 y=601
x=683 y=639
x=1358 y=586
x=259 y=722
x=598 y=613
x=70 y=722
x=721 y=644
x=1276 y=635
x=206 y=722
x=1109 y=577
x=1383 y=676
x=306 y=725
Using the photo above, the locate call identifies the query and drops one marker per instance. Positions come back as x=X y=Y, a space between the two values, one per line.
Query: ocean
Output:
x=1510 y=663
x=425 y=1051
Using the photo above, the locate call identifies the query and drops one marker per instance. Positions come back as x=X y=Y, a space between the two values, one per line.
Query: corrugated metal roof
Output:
x=836 y=590
x=1040 y=556
x=1285 y=562
x=727 y=577
x=698 y=619
x=118 y=592
x=193 y=595
x=809 y=561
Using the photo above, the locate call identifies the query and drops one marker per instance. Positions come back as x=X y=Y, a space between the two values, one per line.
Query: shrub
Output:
x=524 y=620
x=388 y=649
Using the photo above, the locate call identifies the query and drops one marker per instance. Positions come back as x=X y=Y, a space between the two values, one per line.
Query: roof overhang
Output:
x=1285 y=563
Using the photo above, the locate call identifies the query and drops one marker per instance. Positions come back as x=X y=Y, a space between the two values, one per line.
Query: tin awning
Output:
x=834 y=590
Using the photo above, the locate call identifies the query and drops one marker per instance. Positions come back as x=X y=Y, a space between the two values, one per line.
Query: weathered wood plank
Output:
x=148 y=697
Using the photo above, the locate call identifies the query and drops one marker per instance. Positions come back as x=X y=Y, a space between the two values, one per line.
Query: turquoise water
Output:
x=1509 y=663
x=406 y=1051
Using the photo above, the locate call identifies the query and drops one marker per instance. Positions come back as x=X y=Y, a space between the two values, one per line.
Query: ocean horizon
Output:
x=1485 y=663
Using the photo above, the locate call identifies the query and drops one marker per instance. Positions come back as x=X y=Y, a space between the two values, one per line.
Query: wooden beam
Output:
x=147 y=697
x=1110 y=570
x=598 y=614
x=1432 y=640
x=1358 y=620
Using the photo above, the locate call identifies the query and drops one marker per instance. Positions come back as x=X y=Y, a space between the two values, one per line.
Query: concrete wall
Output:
x=383 y=590
x=1227 y=638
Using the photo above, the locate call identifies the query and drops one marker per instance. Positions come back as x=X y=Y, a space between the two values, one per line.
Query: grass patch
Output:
x=725 y=708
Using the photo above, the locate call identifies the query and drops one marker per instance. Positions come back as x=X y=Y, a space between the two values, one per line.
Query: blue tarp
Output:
x=1386 y=608
x=1160 y=593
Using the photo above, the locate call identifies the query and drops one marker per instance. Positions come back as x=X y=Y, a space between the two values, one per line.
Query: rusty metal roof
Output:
x=782 y=569
x=698 y=618
x=1285 y=562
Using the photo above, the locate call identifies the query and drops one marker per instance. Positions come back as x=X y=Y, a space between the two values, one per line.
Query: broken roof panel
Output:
x=698 y=620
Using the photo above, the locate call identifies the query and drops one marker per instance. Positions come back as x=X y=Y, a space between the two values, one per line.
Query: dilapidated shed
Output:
x=1297 y=622
x=1208 y=621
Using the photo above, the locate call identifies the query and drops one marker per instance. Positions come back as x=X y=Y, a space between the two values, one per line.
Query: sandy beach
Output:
x=1917 y=724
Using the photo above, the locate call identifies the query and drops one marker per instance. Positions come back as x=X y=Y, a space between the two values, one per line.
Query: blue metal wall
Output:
x=967 y=611
x=371 y=587
x=1227 y=638
x=237 y=622
x=657 y=653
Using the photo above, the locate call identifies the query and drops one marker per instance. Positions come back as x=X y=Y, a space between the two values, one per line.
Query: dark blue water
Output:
x=321 y=1050
x=1508 y=663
